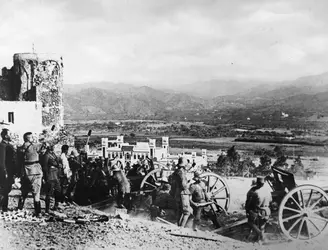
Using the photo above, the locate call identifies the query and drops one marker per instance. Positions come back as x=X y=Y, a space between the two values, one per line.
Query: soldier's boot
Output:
x=21 y=203
x=47 y=205
x=57 y=200
x=37 y=208
x=4 y=204
x=183 y=220
x=262 y=236
x=194 y=224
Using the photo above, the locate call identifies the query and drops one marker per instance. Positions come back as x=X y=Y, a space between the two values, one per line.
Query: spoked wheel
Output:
x=303 y=213
x=217 y=189
x=151 y=181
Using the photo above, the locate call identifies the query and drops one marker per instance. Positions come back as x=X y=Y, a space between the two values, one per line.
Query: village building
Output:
x=141 y=150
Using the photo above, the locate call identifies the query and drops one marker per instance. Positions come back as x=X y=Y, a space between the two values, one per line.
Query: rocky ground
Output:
x=21 y=231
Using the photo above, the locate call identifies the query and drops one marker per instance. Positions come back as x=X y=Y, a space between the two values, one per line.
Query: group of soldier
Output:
x=37 y=167
x=191 y=198
x=185 y=197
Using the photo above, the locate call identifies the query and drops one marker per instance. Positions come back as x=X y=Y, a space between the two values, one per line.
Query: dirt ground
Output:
x=136 y=233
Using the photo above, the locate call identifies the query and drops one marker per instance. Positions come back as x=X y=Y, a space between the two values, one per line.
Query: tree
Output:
x=298 y=166
x=265 y=163
x=281 y=162
x=281 y=158
x=246 y=167
x=223 y=164
x=234 y=159
x=278 y=151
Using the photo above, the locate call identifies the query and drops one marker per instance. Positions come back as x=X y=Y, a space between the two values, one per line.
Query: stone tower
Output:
x=39 y=77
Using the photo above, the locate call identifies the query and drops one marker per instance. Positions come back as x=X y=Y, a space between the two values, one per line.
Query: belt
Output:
x=30 y=162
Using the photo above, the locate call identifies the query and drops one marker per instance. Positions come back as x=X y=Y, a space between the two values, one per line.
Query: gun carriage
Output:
x=299 y=211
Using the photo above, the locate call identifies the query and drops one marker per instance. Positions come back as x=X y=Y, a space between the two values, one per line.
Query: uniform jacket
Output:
x=50 y=166
x=198 y=191
x=67 y=170
x=7 y=159
x=179 y=183
x=30 y=153
x=258 y=199
x=123 y=182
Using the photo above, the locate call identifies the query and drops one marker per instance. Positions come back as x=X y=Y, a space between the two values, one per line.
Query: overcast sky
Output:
x=170 y=41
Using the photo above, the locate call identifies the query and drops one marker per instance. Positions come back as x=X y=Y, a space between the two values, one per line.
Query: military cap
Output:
x=115 y=168
x=182 y=162
x=166 y=187
x=196 y=176
x=260 y=180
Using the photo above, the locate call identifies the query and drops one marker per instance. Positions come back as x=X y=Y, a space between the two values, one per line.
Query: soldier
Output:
x=257 y=207
x=124 y=188
x=50 y=166
x=32 y=172
x=7 y=168
x=66 y=174
x=74 y=165
x=163 y=202
x=198 y=196
x=181 y=193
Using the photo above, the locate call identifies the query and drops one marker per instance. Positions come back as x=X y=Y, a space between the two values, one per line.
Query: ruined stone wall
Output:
x=40 y=77
x=6 y=87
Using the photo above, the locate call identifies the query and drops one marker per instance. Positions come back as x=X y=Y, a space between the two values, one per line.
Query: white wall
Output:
x=27 y=117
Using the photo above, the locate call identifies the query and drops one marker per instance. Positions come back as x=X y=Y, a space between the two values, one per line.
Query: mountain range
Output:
x=304 y=96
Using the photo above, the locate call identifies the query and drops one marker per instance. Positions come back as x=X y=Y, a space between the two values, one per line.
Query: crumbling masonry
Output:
x=38 y=78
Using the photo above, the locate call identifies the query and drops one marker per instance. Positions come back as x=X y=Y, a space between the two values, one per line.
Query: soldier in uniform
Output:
x=7 y=168
x=181 y=192
x=65 y=174
x=198 y=196
x=50 y=166
x=257 y=207
x=124 y=188
x=31 y=172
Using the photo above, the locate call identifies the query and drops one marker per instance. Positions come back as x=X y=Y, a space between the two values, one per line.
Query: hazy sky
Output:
x=170 y=41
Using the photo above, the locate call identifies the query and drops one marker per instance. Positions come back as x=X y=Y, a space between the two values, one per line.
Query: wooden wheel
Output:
x=303 y=213
x=151 y=181
x=217 y=189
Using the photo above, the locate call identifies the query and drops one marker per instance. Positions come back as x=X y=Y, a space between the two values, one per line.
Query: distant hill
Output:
x=214 y=88
x=105 y=100
x=304 y=85
x=136 y=103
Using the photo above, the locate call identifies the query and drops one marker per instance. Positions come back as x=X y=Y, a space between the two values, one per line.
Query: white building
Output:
x=132 y=153
x=21 y=117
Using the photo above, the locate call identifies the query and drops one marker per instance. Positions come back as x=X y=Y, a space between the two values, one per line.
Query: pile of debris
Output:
x=19 y=216
x=230 y=218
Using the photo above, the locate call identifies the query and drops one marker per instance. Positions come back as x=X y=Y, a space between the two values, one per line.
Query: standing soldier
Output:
x=50 y=166
x=124 y=188
x=198 y=196
x=32 y=172
x=257 y=207
x=7 y=168
x=181 y=192
x=66 y=173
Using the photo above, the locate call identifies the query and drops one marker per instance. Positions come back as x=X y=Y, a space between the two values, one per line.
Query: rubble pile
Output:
x=19 y=216
x=229 y=218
